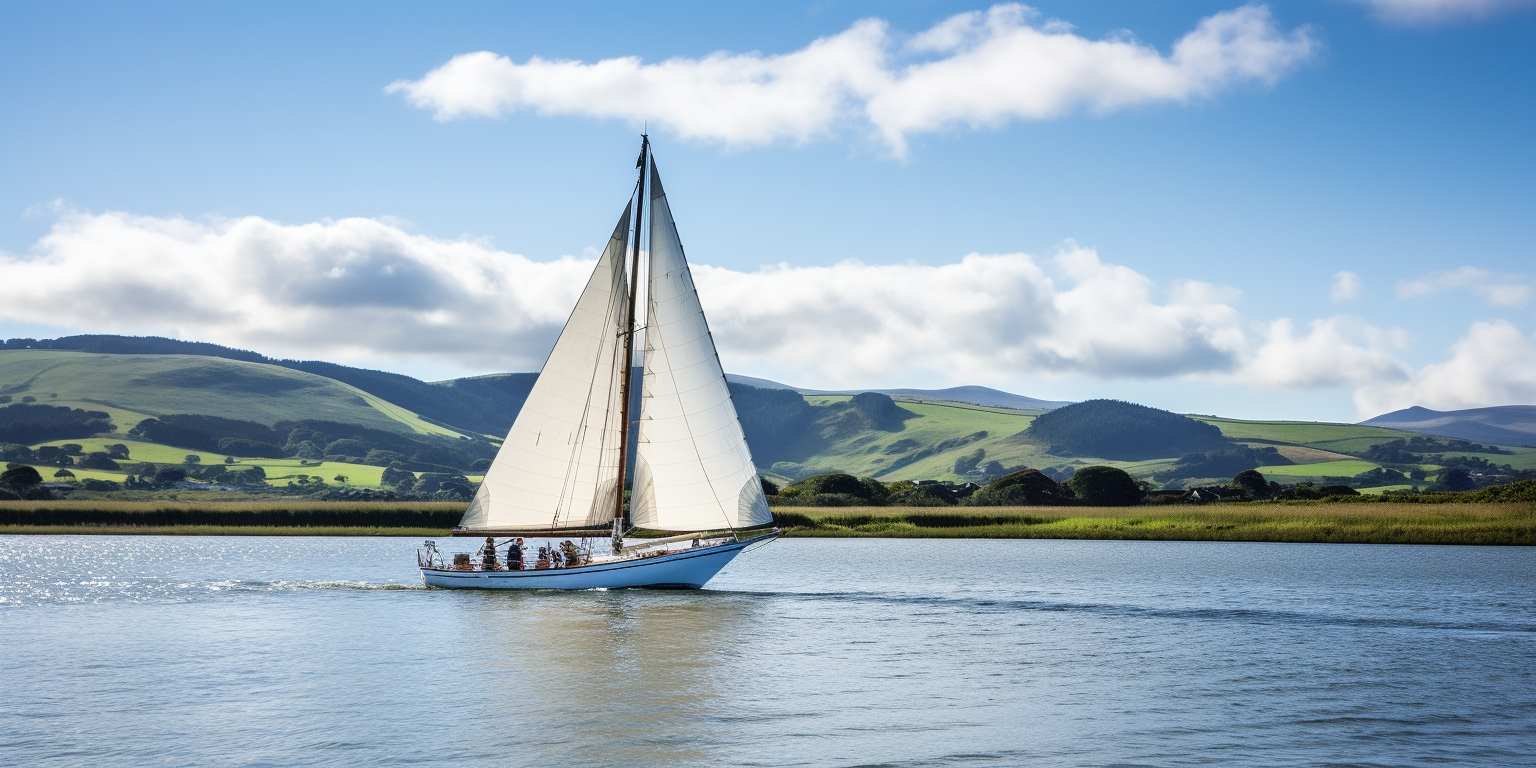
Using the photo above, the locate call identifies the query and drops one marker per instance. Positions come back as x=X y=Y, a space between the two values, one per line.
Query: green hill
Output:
x=299 y=423
x=131 y=388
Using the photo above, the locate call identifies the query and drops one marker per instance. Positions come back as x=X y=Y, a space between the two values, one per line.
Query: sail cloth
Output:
x=559 y=465
x=693 y=471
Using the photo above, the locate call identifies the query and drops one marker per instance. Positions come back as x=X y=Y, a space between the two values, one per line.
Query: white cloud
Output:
x=1439 y=11
x=1497 y=289
x=975 y=69
x=366 y=289
x=1494 y=363
x=1346 y=287
x=1333 y=351
x=358 y=289
x=344 y=288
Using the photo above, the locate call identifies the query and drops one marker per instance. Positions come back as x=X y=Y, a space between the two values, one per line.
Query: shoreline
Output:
x=1487 y=524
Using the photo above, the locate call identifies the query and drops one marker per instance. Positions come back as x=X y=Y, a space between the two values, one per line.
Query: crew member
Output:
x=515 y=555
x=489 y=554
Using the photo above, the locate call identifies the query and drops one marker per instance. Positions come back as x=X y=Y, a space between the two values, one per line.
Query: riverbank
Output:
x=1359 y=523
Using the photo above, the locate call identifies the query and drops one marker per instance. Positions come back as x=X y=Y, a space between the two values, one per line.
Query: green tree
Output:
x=20 y=478
x=1026 y=487
x=117 y=451
x=1252 y=483
x=98 y=460
x=1455 y=479
x=192 y=458
x=63 y=474
x=1105 y=486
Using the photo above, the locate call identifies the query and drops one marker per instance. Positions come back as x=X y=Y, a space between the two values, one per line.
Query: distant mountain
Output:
x=974 y=395
x=969 y=395
x=1500 y=424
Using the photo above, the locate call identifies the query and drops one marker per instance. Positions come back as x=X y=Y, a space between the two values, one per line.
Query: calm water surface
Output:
x=297 y=651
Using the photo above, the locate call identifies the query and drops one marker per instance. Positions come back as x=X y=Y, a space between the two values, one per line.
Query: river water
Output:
x=139 y=651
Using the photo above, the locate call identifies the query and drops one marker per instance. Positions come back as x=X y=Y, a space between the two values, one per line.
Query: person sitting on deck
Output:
x=555 y=558
x=489 y=554
x=515 y=555
x=572 y=554
x=543 y=561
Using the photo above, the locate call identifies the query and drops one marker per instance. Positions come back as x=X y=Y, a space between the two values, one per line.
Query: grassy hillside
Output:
x=865 y=435
x=133 y=387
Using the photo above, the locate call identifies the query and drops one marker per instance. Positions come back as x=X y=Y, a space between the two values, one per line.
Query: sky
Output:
x=1310 y=210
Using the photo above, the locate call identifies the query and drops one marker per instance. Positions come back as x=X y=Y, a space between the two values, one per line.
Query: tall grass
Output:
x=1365 y=523
x=287 y=514
x=1359 y=522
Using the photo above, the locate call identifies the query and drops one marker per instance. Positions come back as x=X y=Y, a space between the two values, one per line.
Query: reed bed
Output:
x=1362 y=522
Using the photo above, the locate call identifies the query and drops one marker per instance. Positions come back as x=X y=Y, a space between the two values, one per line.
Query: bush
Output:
x=90 y=484
x=98 y=460
x=835 y=490
x=20 y=479
x=63 y=474
x=1252 y=483
x=1105 y=486
x=1026 y=487
x=930 y=495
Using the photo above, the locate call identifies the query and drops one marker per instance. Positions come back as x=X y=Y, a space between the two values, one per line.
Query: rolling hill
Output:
x=968 y=395
x=909 y=435
x=132 y=388
x=1504 y=424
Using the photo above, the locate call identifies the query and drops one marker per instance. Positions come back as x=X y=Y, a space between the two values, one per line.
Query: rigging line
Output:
x=571 y=462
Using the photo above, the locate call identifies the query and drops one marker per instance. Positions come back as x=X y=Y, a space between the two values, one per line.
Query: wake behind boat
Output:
x=696 y=500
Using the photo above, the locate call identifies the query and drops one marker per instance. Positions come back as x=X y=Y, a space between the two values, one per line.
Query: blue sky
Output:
x=1387 y=143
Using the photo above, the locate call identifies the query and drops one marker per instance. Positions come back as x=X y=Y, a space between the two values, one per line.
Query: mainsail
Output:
x=693 y=471
x=559 y=466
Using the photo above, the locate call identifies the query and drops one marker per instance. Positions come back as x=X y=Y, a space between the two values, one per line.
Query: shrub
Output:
x=98 y=460
x=1026 y=487
x=63 y=474
x=20 y=478
x=1252 y=483
x=1105 y=486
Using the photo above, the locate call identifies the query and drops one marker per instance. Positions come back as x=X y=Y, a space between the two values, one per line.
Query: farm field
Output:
x=1334 y=437
x=1341 y=468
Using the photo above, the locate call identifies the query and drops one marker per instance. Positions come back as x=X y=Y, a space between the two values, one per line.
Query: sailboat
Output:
x=696 y=500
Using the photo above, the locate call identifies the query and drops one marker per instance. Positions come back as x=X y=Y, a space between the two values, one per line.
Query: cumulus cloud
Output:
x=363 y=288
x=977 y=69
x=1332 y=351
x=1346 y=287
x=345 y=288
x=1497 y=289
x=987 y=315
x=1494 y=363
x=366 y=289
x=1425 y=12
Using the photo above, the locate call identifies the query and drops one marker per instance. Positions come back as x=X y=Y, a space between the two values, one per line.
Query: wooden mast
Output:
x=629 y=343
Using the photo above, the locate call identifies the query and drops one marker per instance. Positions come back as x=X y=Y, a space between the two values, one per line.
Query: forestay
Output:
x=559 y=466
x=693 y=471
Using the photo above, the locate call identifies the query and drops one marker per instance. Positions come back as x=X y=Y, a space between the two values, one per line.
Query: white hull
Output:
x=684 y=569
